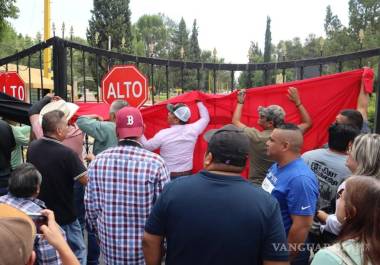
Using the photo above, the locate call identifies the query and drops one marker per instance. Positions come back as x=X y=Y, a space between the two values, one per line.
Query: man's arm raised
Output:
x=306 y=121
x=239 y=107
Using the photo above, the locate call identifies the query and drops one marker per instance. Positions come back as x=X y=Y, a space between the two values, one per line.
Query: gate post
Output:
x=59 y=68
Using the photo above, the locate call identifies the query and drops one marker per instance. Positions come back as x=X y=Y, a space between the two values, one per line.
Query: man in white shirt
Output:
x=177 y=143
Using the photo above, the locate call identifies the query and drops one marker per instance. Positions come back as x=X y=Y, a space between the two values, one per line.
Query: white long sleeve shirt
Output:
x=177 y=143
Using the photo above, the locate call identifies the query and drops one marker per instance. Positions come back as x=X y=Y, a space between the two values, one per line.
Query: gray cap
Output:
x=180 y=110
x=273 y=113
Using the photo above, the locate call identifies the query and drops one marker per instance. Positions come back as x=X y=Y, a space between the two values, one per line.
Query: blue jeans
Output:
x=93 y=252
x=75 y=240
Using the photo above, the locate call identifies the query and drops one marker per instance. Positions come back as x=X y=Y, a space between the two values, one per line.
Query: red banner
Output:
x=323 y=97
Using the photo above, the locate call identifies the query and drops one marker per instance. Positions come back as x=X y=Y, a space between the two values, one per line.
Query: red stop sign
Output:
x=127 y=83
x=12 y=85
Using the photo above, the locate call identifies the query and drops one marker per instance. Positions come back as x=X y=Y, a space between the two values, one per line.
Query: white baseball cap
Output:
x=180 y=110
x=68 y=108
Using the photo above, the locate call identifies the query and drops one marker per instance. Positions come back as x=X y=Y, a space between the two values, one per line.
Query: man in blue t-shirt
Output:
x=292 y=183
x=215 y=216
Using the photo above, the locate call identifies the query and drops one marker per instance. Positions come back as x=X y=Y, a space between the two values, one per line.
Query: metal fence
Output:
x=74 y=64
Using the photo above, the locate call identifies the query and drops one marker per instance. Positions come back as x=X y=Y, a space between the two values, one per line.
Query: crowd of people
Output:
x=136 y=206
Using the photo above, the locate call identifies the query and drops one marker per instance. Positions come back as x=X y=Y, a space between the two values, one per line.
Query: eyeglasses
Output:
x=339 y=194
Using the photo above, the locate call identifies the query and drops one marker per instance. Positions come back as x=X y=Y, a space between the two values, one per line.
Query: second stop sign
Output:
x=125 y=82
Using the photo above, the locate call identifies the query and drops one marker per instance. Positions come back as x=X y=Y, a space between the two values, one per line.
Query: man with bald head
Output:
x=294 y=186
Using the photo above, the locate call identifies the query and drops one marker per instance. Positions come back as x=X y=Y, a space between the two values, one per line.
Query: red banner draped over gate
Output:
x=323 y=97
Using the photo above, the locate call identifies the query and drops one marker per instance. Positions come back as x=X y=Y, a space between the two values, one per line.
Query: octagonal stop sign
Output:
x=13 y=85
x=127 y=83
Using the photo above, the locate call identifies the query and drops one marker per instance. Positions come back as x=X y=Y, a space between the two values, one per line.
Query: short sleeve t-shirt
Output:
x=331 y=171
x=215 y=219
x=59 y=167
x=295 y=187
x=259 y=162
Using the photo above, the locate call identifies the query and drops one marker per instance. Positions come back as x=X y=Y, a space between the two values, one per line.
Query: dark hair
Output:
x=340 y=135
x=362 y=207
x=24 y=181
x=288 y=126
x=354 y=117
x=50 y=121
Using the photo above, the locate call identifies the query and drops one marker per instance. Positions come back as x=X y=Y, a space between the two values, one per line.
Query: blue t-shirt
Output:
x=215 y=219
x=295 y=187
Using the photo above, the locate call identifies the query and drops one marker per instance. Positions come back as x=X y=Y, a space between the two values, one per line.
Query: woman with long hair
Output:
x=359 y=214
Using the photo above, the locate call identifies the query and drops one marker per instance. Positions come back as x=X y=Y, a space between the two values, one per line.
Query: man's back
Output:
x=215 y=219
x=331 y=170
x=7 y=143
x=59 y=167
x=124 y=183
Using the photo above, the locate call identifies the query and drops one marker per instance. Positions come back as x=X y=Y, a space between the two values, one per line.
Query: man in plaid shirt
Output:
x=24 y=185
x=124 y=183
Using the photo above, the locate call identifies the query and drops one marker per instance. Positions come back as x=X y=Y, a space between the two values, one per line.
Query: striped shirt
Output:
x=45 y=253
x=124 y=182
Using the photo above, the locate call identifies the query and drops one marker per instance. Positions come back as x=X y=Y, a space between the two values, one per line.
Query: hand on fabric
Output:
x=322 y=216
x=294 y=96
x=241 y=96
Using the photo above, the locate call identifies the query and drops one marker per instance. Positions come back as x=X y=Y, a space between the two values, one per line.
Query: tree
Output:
x=110 y=18
x=180 y=41
x=7 y=10
x=332 y=22
x=364 y=14
x=195 y=51
x=267 y=49
x=268 y=42
x=252 y=79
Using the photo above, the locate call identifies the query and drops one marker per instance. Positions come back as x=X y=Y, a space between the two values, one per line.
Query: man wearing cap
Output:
x=216 y=216
x=125 y=181
x=24 y=187
x=269 y=118
x=103 y=132
x=18 y=235
x=294 y=185
x=60 y=167
x=177 y=143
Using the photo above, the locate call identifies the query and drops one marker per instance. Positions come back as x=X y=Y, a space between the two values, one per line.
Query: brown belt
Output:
x=180 y=174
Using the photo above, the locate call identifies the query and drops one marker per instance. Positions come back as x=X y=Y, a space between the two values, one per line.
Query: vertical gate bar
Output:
x=60 y=68
x=377 y=114
x=84 y=76
x=320 y=69
x=182 y=78
x=30 y=80
x=214 y=74
x=152 y=81
x=265 y=76
x=301 y=72
x=249 y=78
x=198 y=79
x=97 y=77
x=360 y=62
x=167 y=80
x=17 y=63
x=6 y=67
x=340 y=66
x=71 y=74
x=232 y=80
x=41 y=76
x=283 y=75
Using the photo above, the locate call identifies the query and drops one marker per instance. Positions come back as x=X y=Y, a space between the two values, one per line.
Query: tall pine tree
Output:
x=267 y=49
x=181 y=41
x=110 y=18
x=195 y=51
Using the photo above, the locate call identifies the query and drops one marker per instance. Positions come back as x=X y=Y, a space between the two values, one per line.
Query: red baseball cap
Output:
x=129 y=123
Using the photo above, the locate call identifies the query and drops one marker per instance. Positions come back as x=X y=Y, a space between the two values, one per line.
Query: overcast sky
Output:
x=229 y=26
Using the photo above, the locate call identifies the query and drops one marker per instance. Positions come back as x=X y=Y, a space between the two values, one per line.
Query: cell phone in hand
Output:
x=38 y=220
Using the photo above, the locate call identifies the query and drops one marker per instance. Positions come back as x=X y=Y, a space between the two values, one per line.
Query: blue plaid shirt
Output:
x=124 y=182
x=46 y=253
